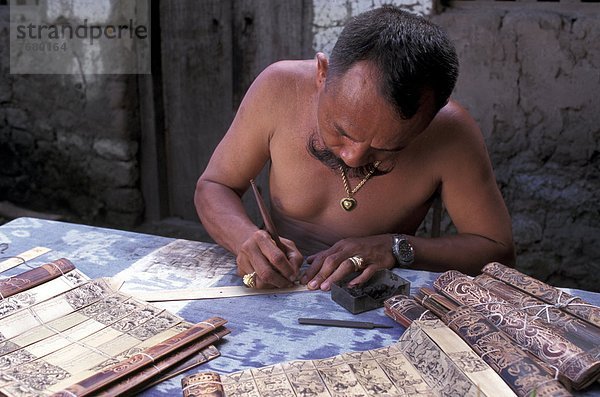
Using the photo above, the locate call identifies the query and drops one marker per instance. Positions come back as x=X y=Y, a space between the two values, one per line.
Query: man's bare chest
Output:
x=302 y=188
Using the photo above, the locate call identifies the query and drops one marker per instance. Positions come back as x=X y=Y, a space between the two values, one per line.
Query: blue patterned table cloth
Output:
x=264 y=328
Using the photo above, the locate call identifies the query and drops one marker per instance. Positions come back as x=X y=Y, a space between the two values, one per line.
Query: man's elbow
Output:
x=499 y=252
x=496 y=251
x=200 y=193
x=506 y=253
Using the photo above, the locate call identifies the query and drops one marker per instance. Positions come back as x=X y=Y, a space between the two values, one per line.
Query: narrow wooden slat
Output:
x=197 y=69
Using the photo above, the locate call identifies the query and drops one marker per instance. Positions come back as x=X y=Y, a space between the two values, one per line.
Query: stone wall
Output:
x=69 y=143
x=530 y=76
x=531 y=79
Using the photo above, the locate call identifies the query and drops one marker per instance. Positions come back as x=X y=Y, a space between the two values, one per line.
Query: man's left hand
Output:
x=368 y=254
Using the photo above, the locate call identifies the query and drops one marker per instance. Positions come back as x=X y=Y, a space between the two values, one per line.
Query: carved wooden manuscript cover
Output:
x=567 y=343
x=524 y=374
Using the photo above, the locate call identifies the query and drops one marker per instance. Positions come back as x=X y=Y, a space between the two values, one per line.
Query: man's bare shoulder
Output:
x=456 y=118
x=288 y=74
x=293 y=67
x=453 y=128
x=277 y=90
x=453 y=141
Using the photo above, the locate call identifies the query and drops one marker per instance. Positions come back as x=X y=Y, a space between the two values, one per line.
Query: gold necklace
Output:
x=349 y=203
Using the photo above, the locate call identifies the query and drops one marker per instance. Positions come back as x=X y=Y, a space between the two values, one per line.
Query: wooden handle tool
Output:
x=269 y=225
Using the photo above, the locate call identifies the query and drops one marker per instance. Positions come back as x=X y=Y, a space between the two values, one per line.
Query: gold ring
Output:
x=358 y=262
x=250 y=280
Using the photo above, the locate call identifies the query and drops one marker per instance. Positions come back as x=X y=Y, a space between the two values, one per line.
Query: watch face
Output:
x=403 y=251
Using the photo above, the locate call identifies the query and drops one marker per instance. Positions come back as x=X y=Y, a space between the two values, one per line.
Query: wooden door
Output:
x=210 y=52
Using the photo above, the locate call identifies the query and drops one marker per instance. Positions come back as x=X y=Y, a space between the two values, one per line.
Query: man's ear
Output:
x=322 y=66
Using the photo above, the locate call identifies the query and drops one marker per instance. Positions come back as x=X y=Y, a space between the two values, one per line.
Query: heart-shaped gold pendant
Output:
x=348 y=203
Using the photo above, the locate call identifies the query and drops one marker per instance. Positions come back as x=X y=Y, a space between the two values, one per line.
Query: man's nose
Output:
x=355 y=155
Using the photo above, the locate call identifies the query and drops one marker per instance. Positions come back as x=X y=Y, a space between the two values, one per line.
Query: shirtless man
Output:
x=358 y=146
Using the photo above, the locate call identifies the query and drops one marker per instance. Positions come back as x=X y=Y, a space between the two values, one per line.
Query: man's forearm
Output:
x=467 y=253
x=223 y=215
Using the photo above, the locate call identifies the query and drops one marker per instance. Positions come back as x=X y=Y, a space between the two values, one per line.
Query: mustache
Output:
x=333 y=162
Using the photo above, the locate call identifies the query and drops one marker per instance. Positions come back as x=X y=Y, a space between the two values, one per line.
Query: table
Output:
x=264 y=327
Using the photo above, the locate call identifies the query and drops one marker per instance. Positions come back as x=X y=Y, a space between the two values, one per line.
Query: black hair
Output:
x=411 y=55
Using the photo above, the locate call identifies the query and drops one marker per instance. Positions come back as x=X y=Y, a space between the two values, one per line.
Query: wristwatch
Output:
x=403 y=251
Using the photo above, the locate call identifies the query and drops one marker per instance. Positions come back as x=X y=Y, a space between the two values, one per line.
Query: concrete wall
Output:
x=329 y=16
x=531 y=78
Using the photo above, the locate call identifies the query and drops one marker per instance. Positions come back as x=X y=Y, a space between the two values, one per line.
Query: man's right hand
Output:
x=274 y=268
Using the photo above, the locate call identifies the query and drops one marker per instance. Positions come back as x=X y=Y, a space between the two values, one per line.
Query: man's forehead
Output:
x=363 y=80
x=360 y=111
x=361 y=75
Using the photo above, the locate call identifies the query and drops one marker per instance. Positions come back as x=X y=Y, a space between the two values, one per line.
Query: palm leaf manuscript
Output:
x=69 y=329
x=414 y=366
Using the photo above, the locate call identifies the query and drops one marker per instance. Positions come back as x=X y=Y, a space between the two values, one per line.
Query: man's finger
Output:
x=345 y=267
x=312 y=270
x=262 y=285
x=364 y=276
x=267 y=274
x=329 y=266
x=277 y=258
